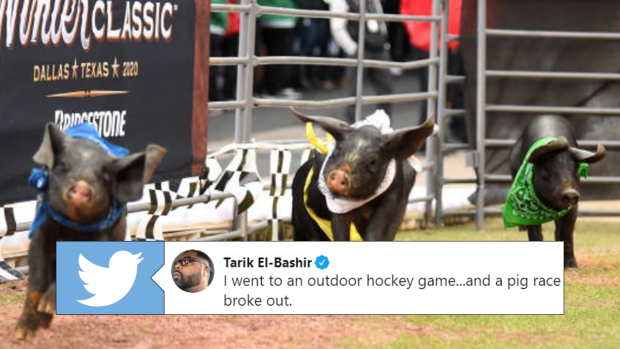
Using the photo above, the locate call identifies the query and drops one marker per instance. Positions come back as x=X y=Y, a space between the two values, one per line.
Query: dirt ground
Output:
x=236 y=331
x=296 y=331
x=240 y=331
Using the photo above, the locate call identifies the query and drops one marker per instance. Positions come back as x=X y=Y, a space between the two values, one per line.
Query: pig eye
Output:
x=61 y=167
x=106 y=176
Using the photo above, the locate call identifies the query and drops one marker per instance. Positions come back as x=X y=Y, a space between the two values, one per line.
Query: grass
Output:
x=592 y=298
x=9 y=296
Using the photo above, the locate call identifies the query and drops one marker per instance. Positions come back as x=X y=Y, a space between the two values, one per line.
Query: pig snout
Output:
x=79 y=193
x=570 y=197
x=338 y=182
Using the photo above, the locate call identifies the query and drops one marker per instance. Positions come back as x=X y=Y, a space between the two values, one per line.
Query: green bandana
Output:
x=522 y=206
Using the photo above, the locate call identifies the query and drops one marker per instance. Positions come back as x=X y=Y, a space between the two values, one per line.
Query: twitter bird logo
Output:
x=109 y=285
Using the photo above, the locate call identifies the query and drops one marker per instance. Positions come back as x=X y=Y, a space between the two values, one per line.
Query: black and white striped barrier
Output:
x=8 y=226
x=280 y=166
x=241 y=179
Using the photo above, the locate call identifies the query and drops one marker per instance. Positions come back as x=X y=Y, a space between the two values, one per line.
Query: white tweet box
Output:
x=372 y=278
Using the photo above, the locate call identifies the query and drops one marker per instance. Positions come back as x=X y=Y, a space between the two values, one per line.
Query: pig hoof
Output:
x=47 y=307
x=570 y=263
x=45 y=322
x=24 y=333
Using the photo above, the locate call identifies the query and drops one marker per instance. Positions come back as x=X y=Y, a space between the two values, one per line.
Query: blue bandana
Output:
x=88 y=131
x=39 y=180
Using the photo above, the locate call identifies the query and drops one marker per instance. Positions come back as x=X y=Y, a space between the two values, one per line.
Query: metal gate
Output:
x=246 y=61
x=483 y=108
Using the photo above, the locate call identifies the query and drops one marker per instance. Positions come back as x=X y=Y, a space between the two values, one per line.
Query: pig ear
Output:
x=129 y=174
x=154 y=156
x=135 y=170
x=54 y=140
x=554 y=146
x=403 y=143
x=581 y=155
x=335 y=127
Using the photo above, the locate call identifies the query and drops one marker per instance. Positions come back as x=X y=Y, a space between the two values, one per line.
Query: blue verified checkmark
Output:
x=321 y=262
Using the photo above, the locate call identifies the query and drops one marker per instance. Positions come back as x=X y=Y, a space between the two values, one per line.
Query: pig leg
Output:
x=341 y=227
x=387 y=217
x=47 y=304
x=31 y=319
x=41 y=277
x=534 y=232
x=564 y=228
x=391 y=209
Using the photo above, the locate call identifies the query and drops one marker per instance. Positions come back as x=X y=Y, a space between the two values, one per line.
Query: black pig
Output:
x=84 y=180
x=354 y=171
x=555 y=177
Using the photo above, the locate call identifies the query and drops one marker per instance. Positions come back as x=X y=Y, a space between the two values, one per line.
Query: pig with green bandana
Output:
x=546 y=165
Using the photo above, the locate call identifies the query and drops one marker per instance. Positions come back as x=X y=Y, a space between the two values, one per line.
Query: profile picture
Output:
x=192 y=271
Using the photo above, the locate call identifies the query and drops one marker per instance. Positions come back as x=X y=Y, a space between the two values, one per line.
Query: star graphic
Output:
x=115 y=68
x=75 y=67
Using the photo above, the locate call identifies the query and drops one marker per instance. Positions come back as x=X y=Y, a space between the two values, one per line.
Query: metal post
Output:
x=240 y=223
x=481 y=110
x=359 y=88
x=245 y=72
x=443 y=85
x=245 y=84
x=431 y=105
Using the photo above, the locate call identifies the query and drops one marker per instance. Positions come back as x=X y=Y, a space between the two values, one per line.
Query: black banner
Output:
x=128 y=67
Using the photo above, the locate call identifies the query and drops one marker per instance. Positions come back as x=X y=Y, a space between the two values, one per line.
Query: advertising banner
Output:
x=137 y=70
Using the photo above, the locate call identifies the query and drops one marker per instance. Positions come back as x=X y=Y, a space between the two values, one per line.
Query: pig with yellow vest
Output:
x=357 y=189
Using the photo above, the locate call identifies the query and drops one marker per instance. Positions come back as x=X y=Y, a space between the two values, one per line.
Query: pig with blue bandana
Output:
x=84 y=185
